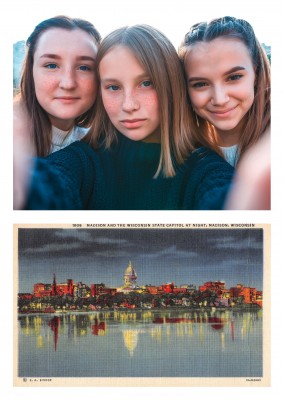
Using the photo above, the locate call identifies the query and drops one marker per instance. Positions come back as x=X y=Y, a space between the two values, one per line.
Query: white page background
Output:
x=18 y=18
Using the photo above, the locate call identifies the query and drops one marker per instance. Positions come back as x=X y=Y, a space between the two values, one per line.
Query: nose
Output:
x=130 y=102
x=219 y=96
x=67 y=80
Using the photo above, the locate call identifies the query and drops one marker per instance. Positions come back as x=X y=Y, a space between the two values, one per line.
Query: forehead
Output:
x=56 y=40
x=120 y=60
x=219 y=54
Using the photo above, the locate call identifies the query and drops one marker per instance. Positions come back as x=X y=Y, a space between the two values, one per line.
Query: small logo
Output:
x=25 y=379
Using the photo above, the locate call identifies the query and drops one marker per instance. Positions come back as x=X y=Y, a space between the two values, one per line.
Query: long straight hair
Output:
x=159 y=58
x=257 y=119
x=41 y=125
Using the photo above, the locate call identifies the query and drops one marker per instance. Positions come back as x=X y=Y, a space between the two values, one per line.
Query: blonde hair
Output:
x=257 y=120
x=160 y=60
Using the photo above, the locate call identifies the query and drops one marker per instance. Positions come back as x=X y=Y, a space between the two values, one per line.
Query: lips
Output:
x=223 y=112
x=67 y=99
x=133 y=123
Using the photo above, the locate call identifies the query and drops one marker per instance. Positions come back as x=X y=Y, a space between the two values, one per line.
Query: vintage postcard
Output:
x=142 y=305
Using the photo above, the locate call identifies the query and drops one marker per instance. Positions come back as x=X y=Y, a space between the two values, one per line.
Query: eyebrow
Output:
x=138 y=78
x=57 y=57
x=234 y=69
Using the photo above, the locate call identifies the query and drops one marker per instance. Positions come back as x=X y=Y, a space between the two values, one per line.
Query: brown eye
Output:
x=199 y=84
x=235 y=77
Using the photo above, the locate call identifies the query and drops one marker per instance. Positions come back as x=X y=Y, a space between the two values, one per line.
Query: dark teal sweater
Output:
x=121 y=178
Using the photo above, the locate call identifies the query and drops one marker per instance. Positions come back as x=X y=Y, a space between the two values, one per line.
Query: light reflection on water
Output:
x=145 y=343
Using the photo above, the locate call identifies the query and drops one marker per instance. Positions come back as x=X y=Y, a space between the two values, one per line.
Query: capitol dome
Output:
x=130 y=276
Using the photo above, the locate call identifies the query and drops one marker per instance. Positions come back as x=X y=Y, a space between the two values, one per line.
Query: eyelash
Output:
x=147 y=81
x=234 y=77
x=111 y=87
x=81 y=67
x=198 y=85
x=86 y=68
x=49 y=65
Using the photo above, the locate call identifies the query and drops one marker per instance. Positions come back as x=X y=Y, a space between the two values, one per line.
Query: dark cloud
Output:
x=180 y=255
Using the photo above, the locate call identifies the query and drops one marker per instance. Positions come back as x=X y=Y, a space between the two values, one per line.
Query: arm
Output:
x=251 y=189
x=209 y=180
x=23 y=152
x=62 y=181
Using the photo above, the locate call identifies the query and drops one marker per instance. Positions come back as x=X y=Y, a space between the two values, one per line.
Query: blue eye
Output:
x=146 y=83
x=113 y=88
x=51 y=66
x=84 y=68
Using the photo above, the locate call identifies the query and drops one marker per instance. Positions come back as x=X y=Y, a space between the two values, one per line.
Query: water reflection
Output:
x=130 y=338
x=160 y=326
x=54 y=325
x=141 y=344
x=99 y=328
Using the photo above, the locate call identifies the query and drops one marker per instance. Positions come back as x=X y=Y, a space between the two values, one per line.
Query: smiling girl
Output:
x=58 y=85
x=228 y=81
x=138 y=153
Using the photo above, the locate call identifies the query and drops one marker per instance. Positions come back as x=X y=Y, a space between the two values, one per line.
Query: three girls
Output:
x=138 y=153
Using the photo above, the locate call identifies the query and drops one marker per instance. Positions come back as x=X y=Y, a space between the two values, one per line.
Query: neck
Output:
x=230 y=137
x=154 y=137
x=63 y=125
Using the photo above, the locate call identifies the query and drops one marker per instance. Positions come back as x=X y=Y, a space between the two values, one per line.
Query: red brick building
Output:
x=249 y=294
x=100 y=288
x=219 y=287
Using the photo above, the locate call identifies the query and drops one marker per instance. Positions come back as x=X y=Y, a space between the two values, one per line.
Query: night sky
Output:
x=182 y=256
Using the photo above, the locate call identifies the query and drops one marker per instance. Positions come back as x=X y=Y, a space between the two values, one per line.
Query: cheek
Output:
x=250 y=94
x=151 y=101
x=246 y=94
x=197 y=99
x=111 y=105
x=89 y=88
x=43 y=85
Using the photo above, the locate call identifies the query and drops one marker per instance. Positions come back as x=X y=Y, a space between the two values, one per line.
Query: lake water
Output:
x=141 y=344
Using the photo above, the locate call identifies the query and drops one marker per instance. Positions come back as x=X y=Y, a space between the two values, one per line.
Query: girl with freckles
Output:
x=58 y=83
x=138 y=153
x=228 y=82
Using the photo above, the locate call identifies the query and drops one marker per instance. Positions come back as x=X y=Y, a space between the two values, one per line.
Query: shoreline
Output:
x=210 y=309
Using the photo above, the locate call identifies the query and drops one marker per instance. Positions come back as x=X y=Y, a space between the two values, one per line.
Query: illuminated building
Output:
x=130 y=277
x=130 y=280
x=218 y=287
x=249 y=294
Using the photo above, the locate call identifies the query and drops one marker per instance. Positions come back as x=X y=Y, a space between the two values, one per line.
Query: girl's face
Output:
x=128 y=95
x=64 y=74
x=220 y=76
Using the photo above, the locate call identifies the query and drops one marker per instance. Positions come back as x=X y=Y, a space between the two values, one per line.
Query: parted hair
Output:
x=41 y=125
x=257 y=119
x=160 y=60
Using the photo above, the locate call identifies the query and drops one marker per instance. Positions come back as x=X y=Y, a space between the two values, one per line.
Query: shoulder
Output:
x=75 y=159
x=76 y=148
x=203 y=158
x=209 y=179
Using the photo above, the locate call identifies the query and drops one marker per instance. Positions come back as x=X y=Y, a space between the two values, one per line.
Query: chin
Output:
x=226 y=127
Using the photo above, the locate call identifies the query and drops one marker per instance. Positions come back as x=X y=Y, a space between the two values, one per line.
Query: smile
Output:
x=223 y=113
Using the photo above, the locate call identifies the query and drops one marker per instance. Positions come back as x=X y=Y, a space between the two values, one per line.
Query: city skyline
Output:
x=182 y=256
